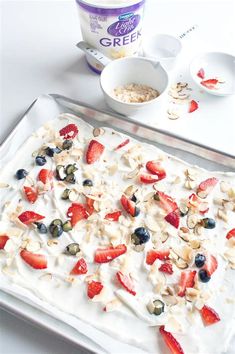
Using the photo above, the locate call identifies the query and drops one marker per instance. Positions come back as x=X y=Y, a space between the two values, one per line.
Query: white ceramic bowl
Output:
x=215 y=65
x=133 y=70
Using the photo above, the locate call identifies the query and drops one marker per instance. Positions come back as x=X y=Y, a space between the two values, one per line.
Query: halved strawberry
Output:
x=165 y=201
x=155 y=168
x=126 y=282
x=193 y=106
x=205 y=187
x=170 y=341
x=113 y=216
x=94 y=151
x=147 y=179
x=90 y=205
x=210 y=83
x=94 y=288
x=36 y=261
x=31 y=194
x=173 y=218
x=166 y=268
x=28 y=217
x=209 y=316
x=79 y=268
x=105 y=255
x=70 y=131
x=230 y=234
x=45 y=175
x=129 y=206
x=201 y=73
x=3 y=241
x=186 y=281
x=211 y=264
x=124 y=143
x=152 y=255
x=77 y=212
x=197 y=203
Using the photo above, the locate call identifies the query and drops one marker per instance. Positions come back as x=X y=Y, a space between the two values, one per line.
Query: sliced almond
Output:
x=181 y=264
x=173 y=115
x=192 y=221
x=98 y=132
x=224 y=186
x=4 y=185
x=222 y=214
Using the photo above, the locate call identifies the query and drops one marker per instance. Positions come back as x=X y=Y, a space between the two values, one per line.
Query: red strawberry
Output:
x=36 y=261
x=170 y=341
x=186 y=281
x=209 y=316
x=94 y=151
x=211 y=264
x=230 y=234
x=70 y=131
x=94 y=288
x=126 y=282
x=90 y=205
x=147 y=179
x=124 y=143
x=196 y=203
x=3 y=241
x=193 y=106
x=173 y=218
x=205 y=187
x=155 y=168
x=45 y=175
x=79 y=268
x=129 y=206
x=201 y=73
x=31 y=194
x=166 y=268
x=77 y=212
x=105 y=255
x=210 y=84
x=28 y=217
x=166 y=202
x=152 y=255
x=113 y=216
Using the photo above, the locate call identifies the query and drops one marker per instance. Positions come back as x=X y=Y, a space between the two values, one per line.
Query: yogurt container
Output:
x=114 y=27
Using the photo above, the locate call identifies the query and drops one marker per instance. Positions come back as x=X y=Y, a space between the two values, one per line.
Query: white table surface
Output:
x=38 y=55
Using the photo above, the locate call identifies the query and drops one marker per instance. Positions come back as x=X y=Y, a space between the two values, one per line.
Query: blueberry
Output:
x=200 y=260
x=56 y=230
x=40 y=160
x=67 y=144
x=51 y=151
x=133 y=198
x=87 y=183
x=137 y=211
x=21 y=173
x=42 y=229
x=140 y=236
x=203 y=276
x=208 y=223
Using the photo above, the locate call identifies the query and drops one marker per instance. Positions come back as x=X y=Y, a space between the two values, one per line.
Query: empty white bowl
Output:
x=130 y=70
x=216 y=65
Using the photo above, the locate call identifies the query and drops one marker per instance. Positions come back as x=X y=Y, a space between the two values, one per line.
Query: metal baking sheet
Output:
x=47 y=107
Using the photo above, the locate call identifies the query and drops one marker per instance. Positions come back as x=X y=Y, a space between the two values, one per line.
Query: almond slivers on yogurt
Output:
x=135 y=93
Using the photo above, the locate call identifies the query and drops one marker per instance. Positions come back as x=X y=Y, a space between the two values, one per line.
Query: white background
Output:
x=38 y=55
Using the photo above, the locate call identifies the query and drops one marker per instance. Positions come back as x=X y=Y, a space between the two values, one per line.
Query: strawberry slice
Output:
x=205 y=187
x=196 y=203
x=105 y=255
x=124 y=143
x=193 y=106
x=170 y=341
x=152 y=255
x=79 y=268
x=3 y=241
x=77 y=212
x=94 y=151
x=126 y=282
x=113 y=216
x=45 y=175
x=31 y=194
x=209 y=316
x=186 y=281
x=70 y=131
x=165 y=202
x=36 y=261
x=230 y=234
x=173 y=218
x=129 y=206
x=28 y=217
x=210 y=83
x=201 y=73
x=155 y=168
x=148 y=179
x=166 y=268
x=211 y=264
x=94 y=288
x=90 y=205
